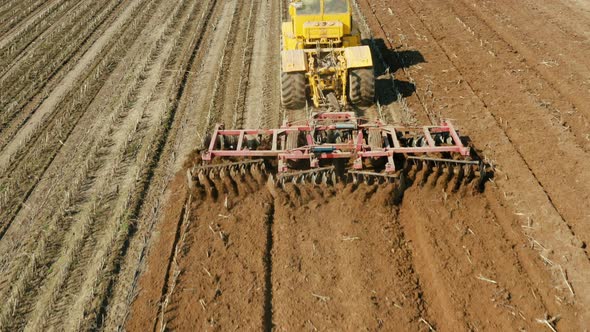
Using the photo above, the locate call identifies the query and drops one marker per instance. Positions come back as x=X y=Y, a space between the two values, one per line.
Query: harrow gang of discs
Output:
x=323 y=175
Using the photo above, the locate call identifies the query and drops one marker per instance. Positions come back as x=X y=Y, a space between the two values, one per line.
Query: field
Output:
x=103 y=105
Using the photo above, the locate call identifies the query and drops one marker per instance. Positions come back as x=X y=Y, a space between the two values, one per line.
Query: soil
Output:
x=105 y=106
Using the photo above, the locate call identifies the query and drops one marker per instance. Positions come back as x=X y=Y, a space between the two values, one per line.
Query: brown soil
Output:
x=104 y=103
x=337 y=265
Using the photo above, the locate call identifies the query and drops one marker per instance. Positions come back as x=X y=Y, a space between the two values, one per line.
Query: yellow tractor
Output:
x=321 y=55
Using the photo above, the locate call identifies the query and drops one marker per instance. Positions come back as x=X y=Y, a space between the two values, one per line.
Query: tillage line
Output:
x=267 y=318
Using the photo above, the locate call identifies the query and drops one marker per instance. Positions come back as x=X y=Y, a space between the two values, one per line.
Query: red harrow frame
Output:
x=367 y=150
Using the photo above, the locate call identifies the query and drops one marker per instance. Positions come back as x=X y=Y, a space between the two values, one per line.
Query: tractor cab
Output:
x=320 y=7
x=327 y=22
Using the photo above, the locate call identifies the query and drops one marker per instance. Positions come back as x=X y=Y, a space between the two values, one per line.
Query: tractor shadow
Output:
x=393 y=60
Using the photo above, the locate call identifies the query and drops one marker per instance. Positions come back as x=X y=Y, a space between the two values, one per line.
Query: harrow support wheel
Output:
x=362 y=86
x=293 y=90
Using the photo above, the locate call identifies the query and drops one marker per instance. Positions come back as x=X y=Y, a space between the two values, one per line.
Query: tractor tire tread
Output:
x=362 y=86
x=293 y=90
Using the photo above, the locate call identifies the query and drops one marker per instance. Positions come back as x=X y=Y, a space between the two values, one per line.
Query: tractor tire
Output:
x=293 y=90
x=362 y=86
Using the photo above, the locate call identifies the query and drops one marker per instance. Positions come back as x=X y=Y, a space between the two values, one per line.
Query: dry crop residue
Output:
x=102 y=102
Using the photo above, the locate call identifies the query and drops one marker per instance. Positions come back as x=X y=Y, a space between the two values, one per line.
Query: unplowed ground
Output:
x=102 y=104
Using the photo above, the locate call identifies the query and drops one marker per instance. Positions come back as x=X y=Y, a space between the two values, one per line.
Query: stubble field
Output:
x=103 y=103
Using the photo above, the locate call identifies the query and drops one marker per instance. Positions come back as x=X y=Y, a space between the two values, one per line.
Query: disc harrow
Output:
x=337 y=146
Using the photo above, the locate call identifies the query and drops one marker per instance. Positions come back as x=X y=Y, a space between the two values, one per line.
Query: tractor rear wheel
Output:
x=293 y=90
x=362 y=86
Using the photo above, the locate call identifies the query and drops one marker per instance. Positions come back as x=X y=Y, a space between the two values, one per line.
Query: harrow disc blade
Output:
x=314 y=178
x=232 y=168
x=201 y=176
x=324 y=174
x=371 y=178
x=233 y=172
x=458 y=172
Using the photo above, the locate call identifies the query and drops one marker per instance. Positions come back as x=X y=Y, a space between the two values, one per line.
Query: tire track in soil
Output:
x=561 y=188
x=549 y=227
x=237 y=54
x=222 y=232
x=560 y=85
x=341 y=261
x=542 y=165
x=154 y=277
x=569 y=20
x=271 y=89
x=391 y=107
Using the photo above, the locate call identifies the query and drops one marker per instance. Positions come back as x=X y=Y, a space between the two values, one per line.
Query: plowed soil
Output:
x=104 y=105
